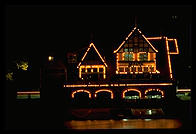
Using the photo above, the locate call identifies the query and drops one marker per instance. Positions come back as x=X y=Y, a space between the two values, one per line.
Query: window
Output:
x=143 y=57
x=151 y=69
x=133 y=69
x=100 y=69
x=92 y=73
x=125 y=49
x=130 y=49
x=145 y=69
x=126 y=56
x=139 y=69
x=131 y=57
x=121 y=69
x=83 y=69
x=126 y=69
x=88 y=69
x=94 y=69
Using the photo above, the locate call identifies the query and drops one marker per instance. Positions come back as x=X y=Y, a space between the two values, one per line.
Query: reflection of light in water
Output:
x=125 y=119
x=125 y=124
x=150 y=112
x=147 y=119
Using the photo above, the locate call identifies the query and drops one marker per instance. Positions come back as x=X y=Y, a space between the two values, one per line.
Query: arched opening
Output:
x=103 y=97
x=81 y=98
x=104 y=94
x=154 y=94
x=81 y=94
x=131 y=94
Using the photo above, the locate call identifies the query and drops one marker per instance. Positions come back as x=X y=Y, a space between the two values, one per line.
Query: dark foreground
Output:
x=34 y=114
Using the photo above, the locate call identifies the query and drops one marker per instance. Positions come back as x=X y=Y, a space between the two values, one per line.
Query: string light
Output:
x=92 y=45
x=158 y=90
x=119 y=85
x=127 y=90
x=105 y=90
x=77 y=91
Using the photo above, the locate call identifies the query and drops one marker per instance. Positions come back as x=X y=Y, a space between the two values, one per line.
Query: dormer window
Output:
x=92 y=66
x=136 y=55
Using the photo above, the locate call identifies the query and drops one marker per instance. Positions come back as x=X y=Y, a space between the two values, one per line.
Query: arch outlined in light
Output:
x=105 y=90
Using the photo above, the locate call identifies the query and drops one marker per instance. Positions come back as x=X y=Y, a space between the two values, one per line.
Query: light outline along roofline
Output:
x=92 y=44
x=169 y=39
x=176 y=46
x=115 y=51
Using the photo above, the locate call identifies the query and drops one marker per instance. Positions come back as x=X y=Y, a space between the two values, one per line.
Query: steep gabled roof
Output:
x=130 y=35
x=87 y=52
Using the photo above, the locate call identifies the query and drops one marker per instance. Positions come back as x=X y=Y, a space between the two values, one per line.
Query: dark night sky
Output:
x=35 y=30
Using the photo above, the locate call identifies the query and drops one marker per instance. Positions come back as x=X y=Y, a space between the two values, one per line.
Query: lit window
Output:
x=130 y=57
x=126 y=50
x=130 y=49
x=143 y=57
x=126 y=57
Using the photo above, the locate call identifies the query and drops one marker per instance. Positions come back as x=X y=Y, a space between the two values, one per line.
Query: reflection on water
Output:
x=124 y=124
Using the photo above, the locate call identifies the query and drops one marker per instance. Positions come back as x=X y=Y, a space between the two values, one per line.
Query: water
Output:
x=124 y=124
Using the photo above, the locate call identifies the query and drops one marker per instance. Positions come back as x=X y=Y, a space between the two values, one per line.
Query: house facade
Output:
x=142 y=70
